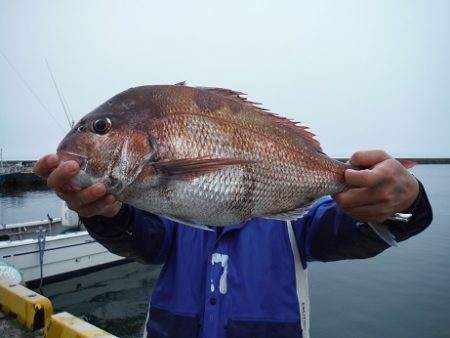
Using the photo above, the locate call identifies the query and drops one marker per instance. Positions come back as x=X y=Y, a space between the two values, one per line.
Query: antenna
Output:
x=72 y=121
x=1 y=160
x=61 y=98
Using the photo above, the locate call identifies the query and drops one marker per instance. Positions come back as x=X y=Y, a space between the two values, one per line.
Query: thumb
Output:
x=44 y=166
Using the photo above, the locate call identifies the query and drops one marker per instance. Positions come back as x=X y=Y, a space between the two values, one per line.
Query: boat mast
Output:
x=1 y=160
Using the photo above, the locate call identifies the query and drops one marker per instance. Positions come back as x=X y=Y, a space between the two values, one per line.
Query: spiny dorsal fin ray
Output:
x=286 y=123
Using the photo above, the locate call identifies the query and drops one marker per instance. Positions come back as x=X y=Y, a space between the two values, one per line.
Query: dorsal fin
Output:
x=233 y=95
x=286 y=123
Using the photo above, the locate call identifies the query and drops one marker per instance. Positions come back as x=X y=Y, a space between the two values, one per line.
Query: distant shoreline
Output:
x=419 y=160
x=437 y=160
x=27 y=178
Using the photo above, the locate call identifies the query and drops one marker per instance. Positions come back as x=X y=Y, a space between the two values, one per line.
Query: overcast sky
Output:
x=360 y=74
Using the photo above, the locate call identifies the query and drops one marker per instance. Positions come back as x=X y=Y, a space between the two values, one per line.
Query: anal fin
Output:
x=290 y=215
x=188 y=223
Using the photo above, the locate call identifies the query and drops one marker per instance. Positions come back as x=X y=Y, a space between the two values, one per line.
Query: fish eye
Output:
x=101 y=126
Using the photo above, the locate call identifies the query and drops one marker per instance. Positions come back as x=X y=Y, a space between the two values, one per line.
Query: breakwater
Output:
x=435 y=160
x=19 y=173
x=20 y=179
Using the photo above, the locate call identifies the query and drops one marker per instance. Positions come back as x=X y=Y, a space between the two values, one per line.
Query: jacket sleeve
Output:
x=327 y=234
x=134 y=234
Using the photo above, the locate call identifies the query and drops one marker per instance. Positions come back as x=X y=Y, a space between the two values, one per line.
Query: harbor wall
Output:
x=25 y=176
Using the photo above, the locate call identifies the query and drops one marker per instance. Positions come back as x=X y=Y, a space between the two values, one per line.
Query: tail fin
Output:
x=408 y=164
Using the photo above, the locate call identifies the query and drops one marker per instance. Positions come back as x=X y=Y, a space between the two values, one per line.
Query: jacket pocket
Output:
x=165 y=324
x=263 y=329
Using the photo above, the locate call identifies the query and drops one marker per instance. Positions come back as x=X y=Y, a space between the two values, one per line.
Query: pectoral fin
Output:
x=189 y=168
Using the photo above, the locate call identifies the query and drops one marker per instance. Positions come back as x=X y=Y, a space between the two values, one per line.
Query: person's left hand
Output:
x=379 y=192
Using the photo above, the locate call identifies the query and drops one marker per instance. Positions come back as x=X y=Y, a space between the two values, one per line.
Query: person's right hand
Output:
x=87 y=202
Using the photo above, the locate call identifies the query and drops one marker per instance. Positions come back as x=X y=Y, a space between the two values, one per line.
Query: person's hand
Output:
x=87 y=202
x=378 y=192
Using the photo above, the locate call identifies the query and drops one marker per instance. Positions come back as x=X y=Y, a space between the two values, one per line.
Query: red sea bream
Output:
x=202 y=156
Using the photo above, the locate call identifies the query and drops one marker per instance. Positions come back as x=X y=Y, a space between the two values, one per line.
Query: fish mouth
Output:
x=82 y=160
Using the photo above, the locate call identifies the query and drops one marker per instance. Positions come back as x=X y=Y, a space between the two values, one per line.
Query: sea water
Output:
x=18 y=205
x=403 y=292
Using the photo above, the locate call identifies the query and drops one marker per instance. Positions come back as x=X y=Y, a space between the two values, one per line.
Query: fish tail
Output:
x=408 y=164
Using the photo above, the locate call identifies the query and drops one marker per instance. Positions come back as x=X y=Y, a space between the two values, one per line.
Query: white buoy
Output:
x=10 y=273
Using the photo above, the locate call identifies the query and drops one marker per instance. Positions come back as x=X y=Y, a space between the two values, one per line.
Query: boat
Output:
x=17 y=173
x=52 y=249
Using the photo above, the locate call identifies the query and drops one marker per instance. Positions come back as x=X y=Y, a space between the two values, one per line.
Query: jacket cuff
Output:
x=422 y=215
x=109 y=226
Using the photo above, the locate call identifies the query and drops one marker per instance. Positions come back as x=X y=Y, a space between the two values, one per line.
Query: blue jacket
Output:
x=239 y=281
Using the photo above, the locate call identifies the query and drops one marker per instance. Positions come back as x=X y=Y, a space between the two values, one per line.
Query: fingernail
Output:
x=110 y=199
x=70 y=167
x=52 y=160
x=99 y=189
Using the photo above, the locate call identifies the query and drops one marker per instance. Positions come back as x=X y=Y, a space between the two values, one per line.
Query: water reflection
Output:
x=114 y=299
x=24 y=205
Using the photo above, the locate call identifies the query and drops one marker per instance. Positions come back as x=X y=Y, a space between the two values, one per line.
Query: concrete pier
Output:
x=25 y=313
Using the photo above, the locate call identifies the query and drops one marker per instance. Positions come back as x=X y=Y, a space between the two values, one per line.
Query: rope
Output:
x=41 y=243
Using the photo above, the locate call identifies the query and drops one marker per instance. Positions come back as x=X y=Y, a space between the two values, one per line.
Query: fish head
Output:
x=110 y=144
